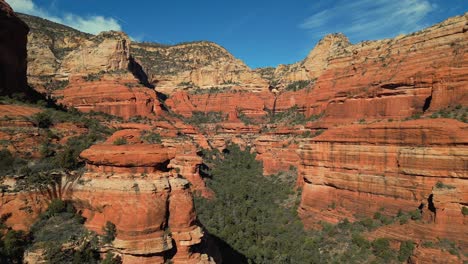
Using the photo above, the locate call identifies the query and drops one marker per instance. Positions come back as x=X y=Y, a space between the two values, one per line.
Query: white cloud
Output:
x=370 y=19
x=90 y=24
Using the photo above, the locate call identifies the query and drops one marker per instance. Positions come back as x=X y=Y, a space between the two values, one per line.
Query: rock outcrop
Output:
x=387 y=79
x=109 y=51
x=13 y=63
x=315 y=63
x=119 y=95
x=197 y=64
x=357 y=170
x=137 y=187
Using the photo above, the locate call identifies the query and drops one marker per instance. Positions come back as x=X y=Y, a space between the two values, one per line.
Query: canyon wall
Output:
x=13 y=62
x=194 y=65
x=355 y=171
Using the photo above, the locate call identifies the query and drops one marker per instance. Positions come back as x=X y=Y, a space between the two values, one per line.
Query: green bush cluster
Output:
x=441 y=185
x=291 y=116
x=244 y=118
x=60 y=232
x=170 y=60
x=445 y=245
x=12 y=243
x=208 y=117
x=255 y=218
x=298 y=85
x=56 y=85
x=120 y=141
x=110 y=232
x=458 y=112
x=464 y=210
x=211 y=90
x=92 y=77
x=151 y=137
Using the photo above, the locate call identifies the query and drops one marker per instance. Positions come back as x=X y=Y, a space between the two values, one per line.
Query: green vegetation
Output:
x=244 y=119
x=56 y=32
x=56 y=85
x=151 y=137
x=211 y=90
x=120 y=141
x=256 y=218
x=458 y=112
x=169 y=60
x=464 y=210
x=93 y=77
x=42 y=119
x=9 y=164
x=12 y=243
x=186 y=84
x=60 y=232
x=309 y=134
x=111 y=259
x=299 y=85
x=441 y=185
x=445 y=245
x=208 y=117
x=406 y=249
x=414 y=117
x=46 y=173
x=110 y=232
x=140 y=119
x=291 y=116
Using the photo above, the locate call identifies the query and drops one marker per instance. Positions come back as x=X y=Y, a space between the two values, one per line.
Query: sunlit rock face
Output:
x=354 y=171
x=136 y=187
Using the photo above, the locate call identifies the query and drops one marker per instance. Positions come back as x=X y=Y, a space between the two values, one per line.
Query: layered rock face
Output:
x=13 y=63
x=315 y=63
x=198 y=64
x=354 y=171
x=108 y=51
x=386 y=79
x=137 y=188
x=119 y=95
x=48 y=44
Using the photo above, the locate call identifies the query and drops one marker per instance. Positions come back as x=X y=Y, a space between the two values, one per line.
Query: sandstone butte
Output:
x=143 y=189
x=367 y=156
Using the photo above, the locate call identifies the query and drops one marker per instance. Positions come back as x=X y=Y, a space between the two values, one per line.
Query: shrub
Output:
x=6 y=159
x=110 y=232
x=208 y=117
x=93 y=77
x=441 y=185
x=12 y=246
x=42 y=119
x=406 y=250
x=120 y=141
x=298 y=85
x=464 y=210
x=262 y=223
x=416 y=214
x=111 y=259
x=151 y=137
x=381 y=248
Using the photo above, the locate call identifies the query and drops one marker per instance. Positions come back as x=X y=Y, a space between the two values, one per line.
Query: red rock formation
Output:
x=111 y=95
x=136 y=187
x=385 y=79
x=355 y=170
x=13 y=62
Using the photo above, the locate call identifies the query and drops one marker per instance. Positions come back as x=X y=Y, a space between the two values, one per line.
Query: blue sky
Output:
x=261 y=33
